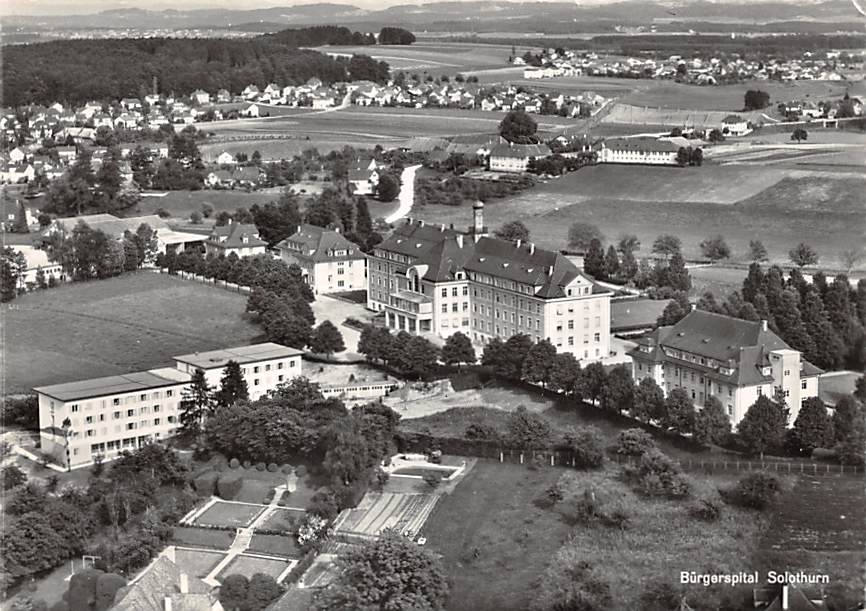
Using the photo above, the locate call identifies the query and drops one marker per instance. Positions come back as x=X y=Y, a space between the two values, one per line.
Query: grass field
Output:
x=493 y=510
x=250 y=565
x=436 y=58
x=776 y=205
x=286 y=520
x=181 y=203
x=130 y=323
x=275 y=545
x=229 y=514
x=197 y=562
x=190 y=536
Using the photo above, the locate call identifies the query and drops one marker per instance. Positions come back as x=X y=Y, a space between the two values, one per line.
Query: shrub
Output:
x=824 y=454
x=247 y=464
x=228 y=486
x=204 y=484
x=272 y=467
x=599 y=507
x=234 y=463
x=324 y=504
x=260 y=466
x=707 y=510
x=634 y=442
x=587 y=448
x=756 y=490
x=300 y=471
x=657 y=475
x=481 y=430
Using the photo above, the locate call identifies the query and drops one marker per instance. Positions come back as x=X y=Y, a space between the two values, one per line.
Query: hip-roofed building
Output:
x=329 y=262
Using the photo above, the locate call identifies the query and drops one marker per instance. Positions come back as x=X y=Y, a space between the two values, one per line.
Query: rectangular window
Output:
x=130 y=413
x=455 y=307
x=465 y=291
x=444 y=308
x=74 y=408
x=142 y=397
x=88 y=420
x=268 y=367
x=280 y=378
x=256 y=382
x=169 y=393
x=256 y=369
x=280 y=365
x=445 y=292
x=803 y=384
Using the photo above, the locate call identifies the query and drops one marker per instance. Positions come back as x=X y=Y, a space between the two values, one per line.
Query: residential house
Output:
x=37 y=260
x=105 y=416
x=735 y=125
x=238 y=238
x=165 y=586
x=250 y=92
x=642 y=150
x=226 y=158
x=201 y=97
x=736 y=361
x=223 y=96
x=329 y=262
x=219 y=178
x=516 y=157
x=131 y=103
x=364 y=177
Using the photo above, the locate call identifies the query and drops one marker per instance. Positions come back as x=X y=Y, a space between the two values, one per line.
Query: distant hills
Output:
x=480 y=16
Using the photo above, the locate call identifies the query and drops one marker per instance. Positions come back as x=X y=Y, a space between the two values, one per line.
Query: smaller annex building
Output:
x=329 y=262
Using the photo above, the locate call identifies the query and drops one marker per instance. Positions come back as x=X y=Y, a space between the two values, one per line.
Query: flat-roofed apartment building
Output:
x=733 y=360
x=104 y=416
x=432 y=279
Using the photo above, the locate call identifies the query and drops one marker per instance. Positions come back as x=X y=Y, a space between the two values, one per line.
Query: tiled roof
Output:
x=520 y=151
x=318 y=244
x=416 y=239
x=234 y=234
x=642 y=145
x=161 y=581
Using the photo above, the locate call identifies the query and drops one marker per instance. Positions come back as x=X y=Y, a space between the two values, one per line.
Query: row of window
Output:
x=76 y=407
x=131 y=426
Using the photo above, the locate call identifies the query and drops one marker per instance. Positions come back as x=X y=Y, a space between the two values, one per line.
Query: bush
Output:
x=205 y=483
x=634 y=442
x=300 y=471
x=481 y=430
x=754 y=491
x=234 y=463
x=228 y=486
x=707 y=510
x=824 y=454
x=260 y=466
x=247 y=464
x=657 y=475
x=324 y=504
x=286 y=469
x=272 y=467
x=587 y=448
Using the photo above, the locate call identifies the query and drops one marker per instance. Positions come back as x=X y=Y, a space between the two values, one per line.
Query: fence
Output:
x=229 y=286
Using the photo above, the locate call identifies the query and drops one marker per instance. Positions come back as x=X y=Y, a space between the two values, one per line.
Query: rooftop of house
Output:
x=112 y=225
x=643 y=145
x=235 y=234
x=242 y=354
x=416 y=238
x=163 y=581
x=320 y=244
x=520 y=150
x=113 y=385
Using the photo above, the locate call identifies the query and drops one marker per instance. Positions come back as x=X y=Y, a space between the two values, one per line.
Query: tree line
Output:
x=73 y=72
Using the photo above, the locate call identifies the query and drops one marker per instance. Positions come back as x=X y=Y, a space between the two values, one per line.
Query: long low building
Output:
x=81 y=420
x=647 y=151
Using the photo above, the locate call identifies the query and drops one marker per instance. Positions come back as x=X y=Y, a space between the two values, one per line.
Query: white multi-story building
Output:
x=516 y=157
x=733 y=360
x=649 y=151
x=329 y=262
x=104 y=416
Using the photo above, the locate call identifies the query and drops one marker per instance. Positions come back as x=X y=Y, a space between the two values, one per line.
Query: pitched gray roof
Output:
x=643 y=145
x=318 y=244
x=235 y=234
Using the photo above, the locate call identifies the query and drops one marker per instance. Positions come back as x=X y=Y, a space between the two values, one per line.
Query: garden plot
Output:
x=283 y=520
x=248 y=565
x=198 y=562
x=226 y=514
x=402 y=512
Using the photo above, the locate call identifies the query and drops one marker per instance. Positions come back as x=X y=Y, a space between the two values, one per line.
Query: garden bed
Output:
x=250 y=565
x=198 y=562
x=443 y=472
x=284 y=520
x=203 y=537
x=276 y=545
x=230 y=515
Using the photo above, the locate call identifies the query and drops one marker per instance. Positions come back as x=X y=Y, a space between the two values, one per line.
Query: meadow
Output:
x=106 y=327
x=180 y=204
x=436 y=58
x=494 y=511
x=779 y=206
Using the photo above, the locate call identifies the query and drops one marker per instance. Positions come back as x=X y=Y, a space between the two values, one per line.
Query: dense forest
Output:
x=76 y=71
x=315 y=36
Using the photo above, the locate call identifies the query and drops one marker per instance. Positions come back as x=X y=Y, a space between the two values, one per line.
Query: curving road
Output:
x=407 y=194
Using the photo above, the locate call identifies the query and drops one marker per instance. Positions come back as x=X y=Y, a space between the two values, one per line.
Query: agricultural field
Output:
x=232 y=515
x=436 y=58
x=776 y=205
x=493 y=511
x=378 y=511
x=107 y=327
x=182 y=203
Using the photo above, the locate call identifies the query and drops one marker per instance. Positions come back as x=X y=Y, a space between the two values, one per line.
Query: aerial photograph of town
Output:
x=467 y=305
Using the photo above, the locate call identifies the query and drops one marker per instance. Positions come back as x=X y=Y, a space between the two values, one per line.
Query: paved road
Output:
x=407 y=194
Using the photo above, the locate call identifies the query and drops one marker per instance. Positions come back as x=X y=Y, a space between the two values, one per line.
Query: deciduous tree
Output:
x=458 y=349
x=712 y=424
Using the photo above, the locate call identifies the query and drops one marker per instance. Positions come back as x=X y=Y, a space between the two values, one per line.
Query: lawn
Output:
x=421 y=471
x=286 y=520
x=106 y=327
x=437 y=58
x=197 y=562
x=190 y=536
x=276 y=545
x=250 y=565
x=492 y=510
x=779 y=206
x=182 y=203
x=232 y=515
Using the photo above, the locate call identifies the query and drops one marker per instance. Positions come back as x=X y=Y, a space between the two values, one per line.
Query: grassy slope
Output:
x=114 y=326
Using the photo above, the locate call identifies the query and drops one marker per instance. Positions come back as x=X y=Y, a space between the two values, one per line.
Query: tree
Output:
x=327 y=339
x=628 y=243
x=696 y=156
x=458 y=349
x=593 y=262
x=538 y=364
x=799 y=134
x=611 y=263
x=233 y=592
x=565 y=373
x=618 y=392
x=851 y=449
x=715 y=248
x=12 y=476
x=390 y=572
x=679 y=412
x=528 y=430
x=676 y=275
x=518 y=126
x=846 y=412
x=683 y=156
x=803 y=255
x=712 y=424
x=756 y=99
x=233 y=386
x=416 y=357
x=262 y=590
x=813 y=427
x=716 y=136
x=649 y=401
x=592 y=381
x=757 y=251
x=388 y=187
x=514 y=231
x=667 y=245
x=395 y=36
x=196 y=404
x=763 y=426
x=580 y=235
x=376 y=344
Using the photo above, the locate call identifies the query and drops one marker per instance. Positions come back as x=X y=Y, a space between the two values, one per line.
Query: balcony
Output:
x=411 y=302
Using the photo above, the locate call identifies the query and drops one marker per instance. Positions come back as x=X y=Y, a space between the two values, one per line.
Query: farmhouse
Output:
x=516 y=157
x=733 y=360
x=238 y=238
x=329 y=262
x=735 y=125
x=438 y=280
x=104 y=416
x=638 y=150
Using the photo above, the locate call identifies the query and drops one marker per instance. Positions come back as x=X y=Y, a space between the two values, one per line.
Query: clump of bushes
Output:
x=657 y=475
x=301 y=471
x=205 y=483
x=247 y=464
x=756 y=490
x=229 y=486
x=234 y=463
x=481 y=430
x=324 y=504
x=260 y=466
x=634 y=442
x=591 y=509
x=272 y=467
x=707 y=510
x=587 y=448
